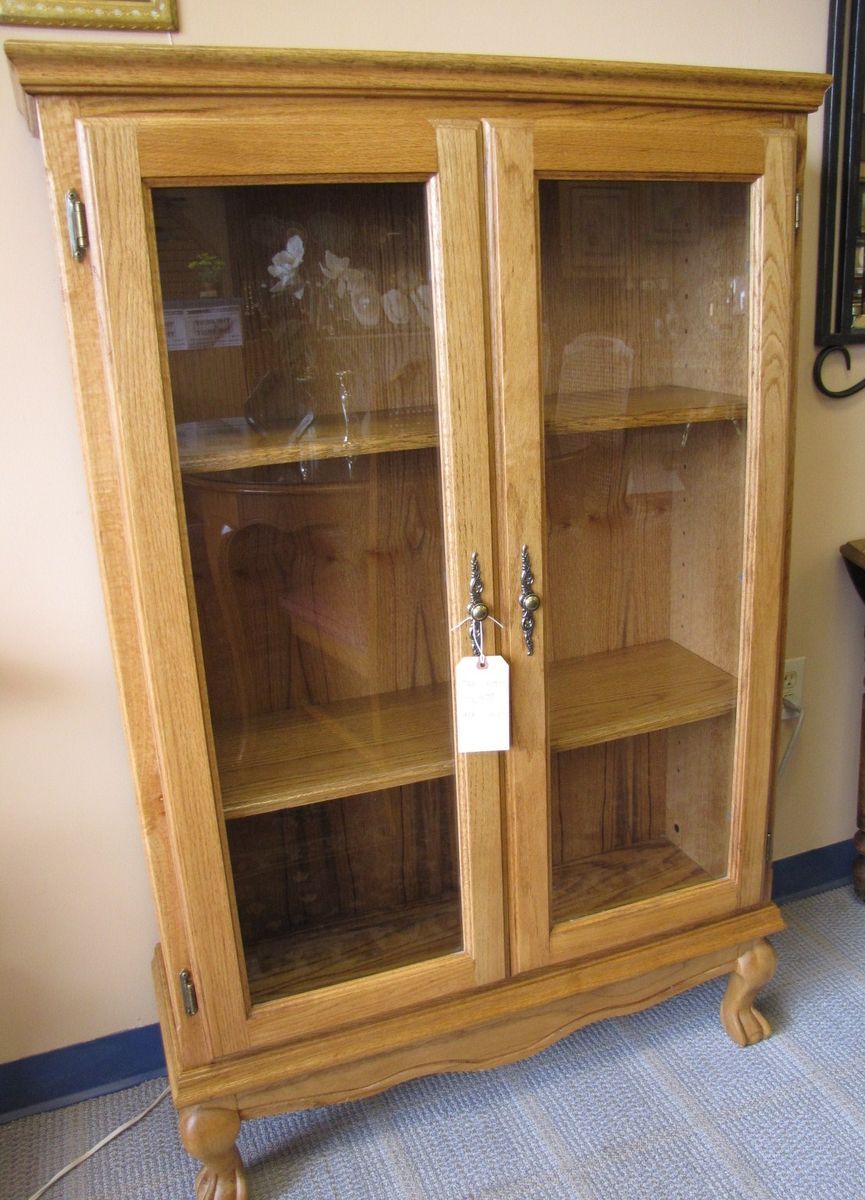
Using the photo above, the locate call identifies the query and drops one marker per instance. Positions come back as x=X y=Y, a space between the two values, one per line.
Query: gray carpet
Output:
x=659 y=1106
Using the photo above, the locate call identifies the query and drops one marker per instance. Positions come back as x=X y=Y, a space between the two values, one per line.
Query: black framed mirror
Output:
x=841 y=264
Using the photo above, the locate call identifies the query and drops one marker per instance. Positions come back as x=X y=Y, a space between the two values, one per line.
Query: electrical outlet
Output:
x=794 y=675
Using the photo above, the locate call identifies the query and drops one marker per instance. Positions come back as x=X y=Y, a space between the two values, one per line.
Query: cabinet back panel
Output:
x=707 y=543
x=608 y=797
x=645 y=540
x=637 y=816
x=699 y=787
x=658 y=269
x=346 y=876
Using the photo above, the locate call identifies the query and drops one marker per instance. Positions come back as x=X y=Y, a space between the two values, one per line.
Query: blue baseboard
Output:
x=74 y=1073
x=814 y=871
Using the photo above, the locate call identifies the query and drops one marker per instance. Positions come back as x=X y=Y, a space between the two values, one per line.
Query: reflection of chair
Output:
x=598 y=364
x=316 y=586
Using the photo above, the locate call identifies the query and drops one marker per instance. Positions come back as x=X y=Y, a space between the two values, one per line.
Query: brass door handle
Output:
x=530 y=601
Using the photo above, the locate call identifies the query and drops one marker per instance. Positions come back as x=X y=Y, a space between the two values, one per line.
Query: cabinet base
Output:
x=502 y=1025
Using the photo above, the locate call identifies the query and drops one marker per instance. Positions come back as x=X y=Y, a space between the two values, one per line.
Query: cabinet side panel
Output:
x=57 y=128
x=130 y=353
x=766 y=506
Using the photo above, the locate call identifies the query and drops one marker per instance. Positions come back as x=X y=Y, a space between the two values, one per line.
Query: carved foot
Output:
x=208 y=1134
x=740 y=1018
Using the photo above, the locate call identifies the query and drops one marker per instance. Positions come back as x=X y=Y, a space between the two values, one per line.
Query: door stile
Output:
x=456 y=221
x=767 y=500
x=57 y=131
x=132 y=362
x=518 y=405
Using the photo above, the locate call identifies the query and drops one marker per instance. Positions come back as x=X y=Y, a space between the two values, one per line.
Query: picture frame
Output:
x=91 y=14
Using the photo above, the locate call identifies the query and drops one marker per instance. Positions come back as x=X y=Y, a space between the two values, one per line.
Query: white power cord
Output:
x=109 y=1138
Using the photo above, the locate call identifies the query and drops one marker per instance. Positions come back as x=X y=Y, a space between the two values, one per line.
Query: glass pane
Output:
x=332 y=891
x=645 y=294
x=299 y=337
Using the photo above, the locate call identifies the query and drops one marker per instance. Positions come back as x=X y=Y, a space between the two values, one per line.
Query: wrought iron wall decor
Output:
x=841 y=266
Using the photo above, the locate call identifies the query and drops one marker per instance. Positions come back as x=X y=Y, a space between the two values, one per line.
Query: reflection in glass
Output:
x=336 y=891
x=299 y=338
x=645 y=298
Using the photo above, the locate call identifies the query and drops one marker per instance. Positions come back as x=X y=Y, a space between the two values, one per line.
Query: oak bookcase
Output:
x=345 y=325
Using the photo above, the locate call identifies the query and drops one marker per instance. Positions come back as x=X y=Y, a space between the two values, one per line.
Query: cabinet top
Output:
x=99 y=69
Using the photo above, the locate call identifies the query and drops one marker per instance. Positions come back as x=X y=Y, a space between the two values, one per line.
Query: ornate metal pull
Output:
x=530 y=602
x=477 y=610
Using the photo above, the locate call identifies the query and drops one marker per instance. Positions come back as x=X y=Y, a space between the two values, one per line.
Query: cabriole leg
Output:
x=754 y=968
x=208 y=1133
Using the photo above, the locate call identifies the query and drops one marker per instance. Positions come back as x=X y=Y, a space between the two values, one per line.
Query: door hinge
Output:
x=769 y=846
x=187 y=991
x=76 y=222
x=797 y=210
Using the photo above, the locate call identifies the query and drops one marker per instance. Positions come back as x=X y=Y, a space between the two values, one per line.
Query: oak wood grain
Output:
x=767 y=512
x=320 y=752
x=519 y=455
x=617 y=877
x=49 y=67
x=352 y=947
x=142 y=111
x=404 y=1033
x=631 y=691
x=231 y=443
x=585 y=412
x=455 y=199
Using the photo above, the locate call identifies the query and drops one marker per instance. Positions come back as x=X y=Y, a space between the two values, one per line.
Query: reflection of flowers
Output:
x=396 y=309
x=285 y=267
x=355 y=292
x=334 y=269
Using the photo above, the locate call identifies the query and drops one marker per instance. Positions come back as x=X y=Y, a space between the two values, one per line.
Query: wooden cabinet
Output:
x=363 y=341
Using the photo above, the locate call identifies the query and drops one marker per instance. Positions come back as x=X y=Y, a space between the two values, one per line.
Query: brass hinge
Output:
x=76 y=223
x=187 y=991
x=797 y=210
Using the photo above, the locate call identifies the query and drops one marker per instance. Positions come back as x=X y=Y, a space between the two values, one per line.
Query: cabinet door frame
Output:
x=694 y=147
x=120 y=158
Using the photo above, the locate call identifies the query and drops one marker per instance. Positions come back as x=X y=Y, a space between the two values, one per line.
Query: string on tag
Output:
x=476 y=635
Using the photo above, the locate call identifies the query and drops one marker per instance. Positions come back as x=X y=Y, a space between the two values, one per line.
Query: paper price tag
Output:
x=483 y=702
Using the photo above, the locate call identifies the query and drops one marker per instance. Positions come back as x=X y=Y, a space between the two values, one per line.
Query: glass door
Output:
x=645 y=302
x=299 y=331
x=652 y=335
x=307 y=377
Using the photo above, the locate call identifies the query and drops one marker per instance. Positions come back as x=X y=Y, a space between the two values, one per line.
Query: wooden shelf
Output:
x=324 y=752
x=352 y=948
x=231 y=443
x=658 y=685
x=618 y=877
x=639 y=409
x=358 y=946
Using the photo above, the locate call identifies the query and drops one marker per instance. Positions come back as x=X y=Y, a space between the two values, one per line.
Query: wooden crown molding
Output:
x=63 y=68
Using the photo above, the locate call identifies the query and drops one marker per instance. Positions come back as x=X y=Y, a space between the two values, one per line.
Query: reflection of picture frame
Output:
x=674 y=212
x=91 y=14
x=596 y=229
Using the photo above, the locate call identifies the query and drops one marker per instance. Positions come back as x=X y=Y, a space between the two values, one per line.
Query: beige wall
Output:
x=76 y=922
